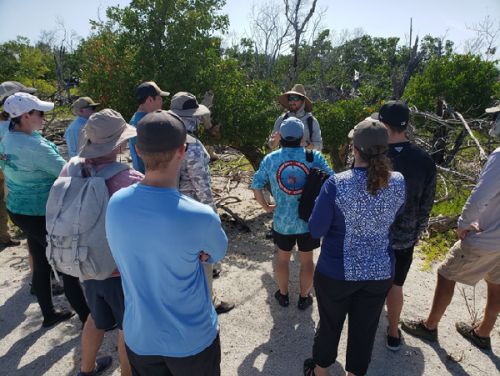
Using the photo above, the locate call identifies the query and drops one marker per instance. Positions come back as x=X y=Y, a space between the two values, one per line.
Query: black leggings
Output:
x=362 y=301
x=35 y=231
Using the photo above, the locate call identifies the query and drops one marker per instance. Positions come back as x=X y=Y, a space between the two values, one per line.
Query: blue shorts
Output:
x=106 y=302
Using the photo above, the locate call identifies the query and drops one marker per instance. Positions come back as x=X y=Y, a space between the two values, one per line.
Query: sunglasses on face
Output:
x=294 y=98
x=40 y=113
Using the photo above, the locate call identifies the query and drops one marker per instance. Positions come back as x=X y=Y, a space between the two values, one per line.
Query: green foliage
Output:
x=464 y=81
x=436 y=247
x=20 y=61
x=336 y=120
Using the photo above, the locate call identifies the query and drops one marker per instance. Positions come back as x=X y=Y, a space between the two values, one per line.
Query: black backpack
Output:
x=313 y=185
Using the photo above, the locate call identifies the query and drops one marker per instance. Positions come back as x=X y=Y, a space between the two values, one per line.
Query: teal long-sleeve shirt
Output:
x=30 y=164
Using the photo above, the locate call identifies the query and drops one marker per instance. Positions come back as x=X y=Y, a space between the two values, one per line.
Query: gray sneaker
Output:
x=418 y=329
x=467 y=331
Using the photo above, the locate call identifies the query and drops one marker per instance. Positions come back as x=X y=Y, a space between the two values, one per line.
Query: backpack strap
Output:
x=75 y=167
x=310 y=126
x=286 y=116
x=309 y=155
x=111 y=170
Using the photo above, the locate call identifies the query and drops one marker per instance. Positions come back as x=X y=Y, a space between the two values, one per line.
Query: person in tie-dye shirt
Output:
x=286 y=171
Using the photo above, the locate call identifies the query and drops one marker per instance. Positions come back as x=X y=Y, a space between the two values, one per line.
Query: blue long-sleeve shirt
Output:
x=72 y=135
x=286 y=170
x=137 y=162
x=355 y=226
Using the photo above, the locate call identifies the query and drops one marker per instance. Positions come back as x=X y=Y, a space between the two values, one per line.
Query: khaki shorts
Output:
x=469 y=265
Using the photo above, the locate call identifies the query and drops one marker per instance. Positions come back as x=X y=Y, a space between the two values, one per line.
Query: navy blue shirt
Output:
x=355 y=226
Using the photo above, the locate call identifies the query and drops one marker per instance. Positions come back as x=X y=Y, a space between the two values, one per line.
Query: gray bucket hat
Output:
x=185 y=104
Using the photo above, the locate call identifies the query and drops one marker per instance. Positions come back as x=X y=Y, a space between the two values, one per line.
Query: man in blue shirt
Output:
x=286 y=170
x=150 y=98
x=159 y=239
x=82 y=108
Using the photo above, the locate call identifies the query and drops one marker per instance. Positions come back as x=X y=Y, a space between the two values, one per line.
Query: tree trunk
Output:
x=252 y=154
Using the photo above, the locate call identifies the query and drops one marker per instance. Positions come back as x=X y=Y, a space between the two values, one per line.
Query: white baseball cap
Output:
x=21 y=103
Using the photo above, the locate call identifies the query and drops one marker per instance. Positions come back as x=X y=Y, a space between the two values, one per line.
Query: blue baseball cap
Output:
x=292 y=129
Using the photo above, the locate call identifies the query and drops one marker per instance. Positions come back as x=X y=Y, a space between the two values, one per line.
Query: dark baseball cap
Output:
x=149 y=89
x=161 y=131
x=370 y=136
x=395 y=114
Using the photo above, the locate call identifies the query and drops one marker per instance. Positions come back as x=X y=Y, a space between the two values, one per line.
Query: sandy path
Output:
x=258 y=336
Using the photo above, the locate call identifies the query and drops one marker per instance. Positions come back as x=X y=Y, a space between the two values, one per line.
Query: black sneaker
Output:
x=304 y=302
x=467 y=331
x=309 y=367
x=223 y=307
x=101 y=364
x=270 y=234
x=393 y=343
x=417 y=328
x=57 y=317
x=283 y=300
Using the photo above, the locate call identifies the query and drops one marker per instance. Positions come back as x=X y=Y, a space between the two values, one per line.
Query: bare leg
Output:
x=91 y=342
x=442 y=298
x=491 y=311
x=282 y=270
x=122 y=354
x=306 y=272
x=320 y=371
x=394 y=302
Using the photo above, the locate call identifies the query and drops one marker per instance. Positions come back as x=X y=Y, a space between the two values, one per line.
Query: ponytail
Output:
x=379 y=171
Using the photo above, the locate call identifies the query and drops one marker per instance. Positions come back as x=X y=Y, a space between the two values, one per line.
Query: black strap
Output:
x=310 y=126
x=309 y=155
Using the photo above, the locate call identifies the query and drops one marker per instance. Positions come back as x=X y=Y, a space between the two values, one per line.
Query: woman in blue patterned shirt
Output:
x=353 y=214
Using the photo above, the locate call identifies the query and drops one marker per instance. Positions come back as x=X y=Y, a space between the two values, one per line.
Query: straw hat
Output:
x=297 y=89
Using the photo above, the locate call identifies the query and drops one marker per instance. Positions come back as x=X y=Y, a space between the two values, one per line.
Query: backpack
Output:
x=314 y=182
x=75 y=220
x=309 y=124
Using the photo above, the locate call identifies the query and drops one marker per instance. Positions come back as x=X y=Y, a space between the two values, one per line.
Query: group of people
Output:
x=367 y=221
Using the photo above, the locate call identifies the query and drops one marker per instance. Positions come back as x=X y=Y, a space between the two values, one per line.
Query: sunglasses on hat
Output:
x=294 y=97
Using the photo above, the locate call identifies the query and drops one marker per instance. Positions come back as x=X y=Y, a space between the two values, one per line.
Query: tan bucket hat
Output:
x=104 y=132
x=297 y=89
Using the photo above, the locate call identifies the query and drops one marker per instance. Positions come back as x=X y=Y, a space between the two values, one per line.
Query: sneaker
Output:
x=309 y=367
x=283 y=300
x=215 y=272
x=270 y=234
x=305 y=302
x=467 y=331
x=418 y=329
x=57 y=317
x=393 y=343
x=101 y=364
x=223 y=307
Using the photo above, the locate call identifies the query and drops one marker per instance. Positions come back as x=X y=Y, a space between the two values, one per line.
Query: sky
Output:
x=383 y=18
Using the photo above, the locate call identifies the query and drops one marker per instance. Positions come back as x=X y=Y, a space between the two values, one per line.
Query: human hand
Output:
x=204 y=256
x=462 y=232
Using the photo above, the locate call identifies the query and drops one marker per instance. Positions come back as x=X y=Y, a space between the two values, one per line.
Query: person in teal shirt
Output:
x=286 y=171
x=31 y=164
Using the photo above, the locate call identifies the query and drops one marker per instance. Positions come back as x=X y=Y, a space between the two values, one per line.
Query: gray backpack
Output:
x=75 y=219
